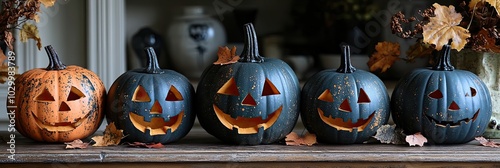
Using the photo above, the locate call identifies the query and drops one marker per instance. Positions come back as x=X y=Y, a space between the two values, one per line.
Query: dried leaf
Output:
x=146 y=145
x=486 y=43
x=9 y=40
x=226 y=56
x=48 y=3
x=488 y=142
x=76 y=144
x=473 y=3
x=384 y=57
x=416 y=139
x=293 y=139
x=444 y=27
x=495 y=4
x=30 y=31
x=418 y=50
x=112 y=136
x=3 y=57
x=390 y=135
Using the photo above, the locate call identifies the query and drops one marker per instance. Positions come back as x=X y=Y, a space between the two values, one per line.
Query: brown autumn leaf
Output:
x=495 y=4
x=473 y=4
x=112 y=136
x=76 y=144
x=487 y=142
x=416 y=139
x=384 y=57
x=3 y=57
x=226 y=56
x=9 y=40
x=389 y=134
x=48 y=3
x=489 y=41
x=293 y=139
x=146 y=145
x=418 y=50
x=445 y=27
x=30 y=31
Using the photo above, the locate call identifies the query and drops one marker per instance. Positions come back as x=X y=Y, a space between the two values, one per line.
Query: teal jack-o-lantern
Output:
x=344 y=106
x=253 y=101
x=151 y=105
x=444 y=104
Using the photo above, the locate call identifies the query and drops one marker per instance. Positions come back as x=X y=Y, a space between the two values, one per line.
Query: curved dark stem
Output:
x=152 y=64
x=251 y=51
x=443 y=63
x=345 y=61
x=54 y=61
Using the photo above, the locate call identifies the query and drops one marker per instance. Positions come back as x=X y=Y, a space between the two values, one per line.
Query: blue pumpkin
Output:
x=344 y=106
x=446 y=105
x=253 y=101
x=151 y=105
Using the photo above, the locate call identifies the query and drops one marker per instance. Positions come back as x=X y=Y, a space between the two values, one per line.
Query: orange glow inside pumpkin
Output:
x=247 y=125
x=339 y=123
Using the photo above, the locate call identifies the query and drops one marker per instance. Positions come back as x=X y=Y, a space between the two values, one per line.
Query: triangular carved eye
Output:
x=363 y=97
x=75 y=94
x=45 y=96
x=473 y=92
x=326 y=96
x=174 y=94
x=269 y=89
x=229 y=88
x=345 y=107
x=436 y=94
x=140 y=95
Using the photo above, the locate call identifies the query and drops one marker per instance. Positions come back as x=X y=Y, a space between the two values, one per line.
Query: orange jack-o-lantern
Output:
x=58 y=104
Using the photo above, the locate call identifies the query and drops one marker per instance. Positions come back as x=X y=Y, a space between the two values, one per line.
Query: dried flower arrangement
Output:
x=474 y=27
x=18 y=15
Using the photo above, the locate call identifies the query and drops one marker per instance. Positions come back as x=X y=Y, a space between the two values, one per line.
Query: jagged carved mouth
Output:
x=60 y=126
x=157 y=125
x=451 y=123
x=247 y=125
x=339 y=124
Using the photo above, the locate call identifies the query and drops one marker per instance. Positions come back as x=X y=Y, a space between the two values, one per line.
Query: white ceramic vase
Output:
x=193 y=41
x=487 y=66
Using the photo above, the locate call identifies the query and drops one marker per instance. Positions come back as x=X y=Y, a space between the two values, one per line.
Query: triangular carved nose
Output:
x=249 y=101
x=156 y=109
x=453 y=106
x=64 y=107
x=345 y=107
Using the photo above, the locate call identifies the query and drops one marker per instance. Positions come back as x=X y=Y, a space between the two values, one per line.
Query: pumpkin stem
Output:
x=251 y=50
x=54 y=61
x=152 y=63
x=443 y=63
x=345 y=61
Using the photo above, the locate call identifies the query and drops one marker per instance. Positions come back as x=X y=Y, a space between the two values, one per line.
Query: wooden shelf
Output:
x=199 y=148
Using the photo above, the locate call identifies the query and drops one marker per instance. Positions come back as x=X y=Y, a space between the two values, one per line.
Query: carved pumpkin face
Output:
x=155 y=122
x=253 y=101
x=248 y=108
x=444 y=104
x=151 y=104
x=251 y=121
x=60 y=103
x=344 y=106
